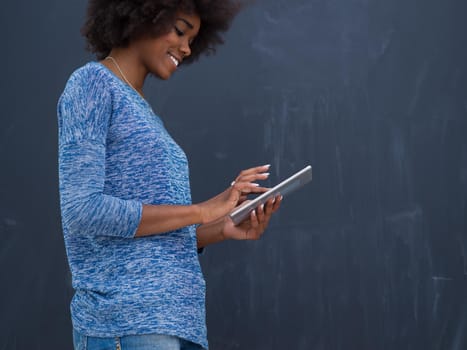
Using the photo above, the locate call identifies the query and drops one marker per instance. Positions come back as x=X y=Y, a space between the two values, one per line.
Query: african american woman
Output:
x=131 y=231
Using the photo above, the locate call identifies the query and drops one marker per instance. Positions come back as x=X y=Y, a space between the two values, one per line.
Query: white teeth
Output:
x=174 y=60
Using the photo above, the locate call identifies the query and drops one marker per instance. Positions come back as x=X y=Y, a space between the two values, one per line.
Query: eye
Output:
x=178 y=31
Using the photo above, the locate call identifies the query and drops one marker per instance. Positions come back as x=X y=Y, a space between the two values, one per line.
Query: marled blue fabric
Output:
x=114 y=156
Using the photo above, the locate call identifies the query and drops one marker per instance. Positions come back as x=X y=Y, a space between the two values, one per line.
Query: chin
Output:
x=163 y=75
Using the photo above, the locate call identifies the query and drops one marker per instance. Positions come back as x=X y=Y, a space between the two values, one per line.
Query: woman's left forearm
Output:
x=210 y=233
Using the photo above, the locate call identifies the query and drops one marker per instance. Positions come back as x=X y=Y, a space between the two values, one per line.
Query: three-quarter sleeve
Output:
x=84 y=112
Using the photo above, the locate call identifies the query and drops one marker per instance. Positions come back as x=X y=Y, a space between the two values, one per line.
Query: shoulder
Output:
x=86 y=104
x=90 y=81
x=91 y=72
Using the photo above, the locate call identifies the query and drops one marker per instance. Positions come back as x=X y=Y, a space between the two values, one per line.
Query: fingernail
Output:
x=282 y=197
x=262 y=206
x=266 y=166
x=254 y=184
x=267 y=174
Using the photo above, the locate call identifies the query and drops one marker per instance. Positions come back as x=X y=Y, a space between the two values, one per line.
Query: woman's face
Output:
x=163 y=54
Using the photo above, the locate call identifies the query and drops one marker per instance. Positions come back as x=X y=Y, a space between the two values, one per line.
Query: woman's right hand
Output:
x=225 y=202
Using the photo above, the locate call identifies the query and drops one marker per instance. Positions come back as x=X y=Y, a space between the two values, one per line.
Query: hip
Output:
x=133 y=342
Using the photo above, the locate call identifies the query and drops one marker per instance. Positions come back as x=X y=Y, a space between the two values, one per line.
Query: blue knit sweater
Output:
x=114 y=156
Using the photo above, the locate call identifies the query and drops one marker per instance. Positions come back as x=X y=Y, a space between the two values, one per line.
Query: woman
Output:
x=130 y=229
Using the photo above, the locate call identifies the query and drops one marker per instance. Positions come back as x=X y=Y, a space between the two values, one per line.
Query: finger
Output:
x=251 y=231
x=254 y=170
x=260 y=213
x=248 y=187
x=277 y=203
x=252 y=177
x=265 y=220
x=269 y=206
x=254 y=223
x=242 y=199
x=258 y=189
x=268 y=211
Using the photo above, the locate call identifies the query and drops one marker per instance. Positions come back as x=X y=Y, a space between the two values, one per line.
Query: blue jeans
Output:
x=132 y=342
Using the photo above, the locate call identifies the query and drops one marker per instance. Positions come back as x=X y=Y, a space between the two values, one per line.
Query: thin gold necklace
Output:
x=123 y=75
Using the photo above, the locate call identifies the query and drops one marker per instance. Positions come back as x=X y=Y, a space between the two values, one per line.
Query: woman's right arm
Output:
x=83 y=112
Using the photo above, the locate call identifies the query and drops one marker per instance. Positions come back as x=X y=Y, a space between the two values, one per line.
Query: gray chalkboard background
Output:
x=372 y=255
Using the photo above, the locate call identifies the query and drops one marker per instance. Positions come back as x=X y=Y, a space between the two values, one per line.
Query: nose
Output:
x=185 y=48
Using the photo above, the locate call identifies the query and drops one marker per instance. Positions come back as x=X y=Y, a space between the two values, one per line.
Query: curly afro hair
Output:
x=115 y=23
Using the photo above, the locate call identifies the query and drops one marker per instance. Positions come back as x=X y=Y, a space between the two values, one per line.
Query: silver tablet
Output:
x=285 y=187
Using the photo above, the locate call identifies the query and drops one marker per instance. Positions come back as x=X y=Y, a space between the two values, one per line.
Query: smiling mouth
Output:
x=174 y=60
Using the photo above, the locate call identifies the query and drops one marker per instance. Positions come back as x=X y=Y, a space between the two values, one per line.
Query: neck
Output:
x=131 y=70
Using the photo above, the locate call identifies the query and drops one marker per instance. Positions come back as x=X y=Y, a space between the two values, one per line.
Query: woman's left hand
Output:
x=253 y=227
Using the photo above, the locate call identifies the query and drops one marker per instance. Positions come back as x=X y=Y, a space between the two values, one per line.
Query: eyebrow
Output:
x=186 y=22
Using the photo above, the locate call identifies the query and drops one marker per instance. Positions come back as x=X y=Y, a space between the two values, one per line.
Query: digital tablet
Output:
x=285 y=187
